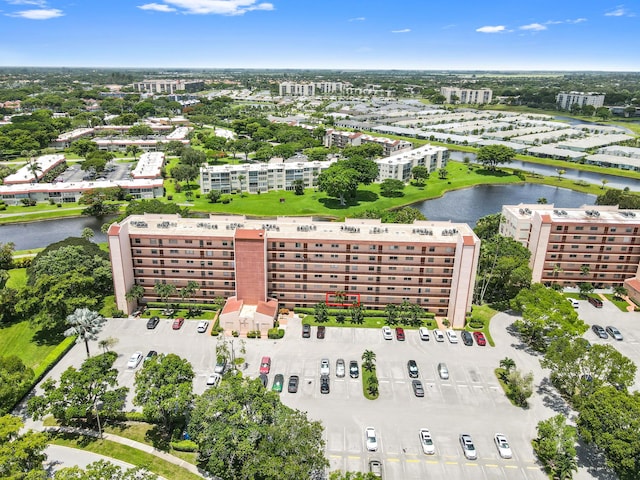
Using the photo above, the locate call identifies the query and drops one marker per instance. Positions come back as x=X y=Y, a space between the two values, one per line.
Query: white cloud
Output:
x=39 y=3
x=215 y=7
x=533 y=27
x=491 y=29
x=619 y=11
x=42 y=14
x=404 y=30
x=577 y=20
x=357 y=19
x=157 y=7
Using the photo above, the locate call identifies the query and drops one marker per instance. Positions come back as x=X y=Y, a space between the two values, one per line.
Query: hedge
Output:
x=184 y=446
x=275 y=333
x=345 y=311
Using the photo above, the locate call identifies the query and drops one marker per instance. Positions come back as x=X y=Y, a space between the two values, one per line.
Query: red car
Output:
x=400 y=333
x=177 y=323
x=265 y=365
x=480 y=340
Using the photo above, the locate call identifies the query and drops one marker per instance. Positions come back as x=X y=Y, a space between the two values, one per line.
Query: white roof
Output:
x=149 y=165
x=44 y=162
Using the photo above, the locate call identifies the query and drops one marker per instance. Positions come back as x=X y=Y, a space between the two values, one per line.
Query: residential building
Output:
x=169 y=86
x=400 y=165
x=26 y=174
x=565 y=100
x=149 y=166
x=466 y=95
x=309 y=89
x=342 y=139
x=296 y=262
x=595 y=244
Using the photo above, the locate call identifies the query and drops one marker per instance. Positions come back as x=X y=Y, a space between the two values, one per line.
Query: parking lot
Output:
x=114 y=171
x=470 y=401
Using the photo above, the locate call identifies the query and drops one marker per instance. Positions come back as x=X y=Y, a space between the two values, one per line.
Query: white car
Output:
x=213 y=380
x=502 y=445
x=424 y=333
x=452 y=336
x=372 y=441
x=202 y=326
x=387 y=334
x=135 y=360
x=468 y=448
x=340 y=368
x=427 y=442
x=325 y=369
x=438 y=335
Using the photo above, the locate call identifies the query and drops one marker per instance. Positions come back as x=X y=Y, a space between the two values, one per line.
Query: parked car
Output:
x=150 y=355
x=427 y=442
x=278 y=381
x=294 y=381
x=354 y=371
x=438 y=335
x=418 y=389
x=265 y=365
x=504 y=450
x=321 y=331
x=443 y=371
x=400 y=333
x=134 y=360
x=467 y=338
x=306 y=330
x=221 y=365
x=264 y=379
x=614 y=332
x=153 y=323
x=480 y=338
x=596 y=302
x=468 y=448
x=177 y=323
x=325 y=368
x=574 y=302
x=599 y=331
x=202 y=326
x=424 y=333
x=371 y=439
x=340 y=368
x=412 y=367
x=213 y=380
x=452 y=336
x=324 y=384
x=386 y=333
x=375 y=467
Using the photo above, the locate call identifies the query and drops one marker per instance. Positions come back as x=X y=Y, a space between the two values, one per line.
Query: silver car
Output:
x=340 y=368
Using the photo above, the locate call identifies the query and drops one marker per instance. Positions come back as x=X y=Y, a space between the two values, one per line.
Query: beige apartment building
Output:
x=262 y=265
x=466 y=95
x=596 y=244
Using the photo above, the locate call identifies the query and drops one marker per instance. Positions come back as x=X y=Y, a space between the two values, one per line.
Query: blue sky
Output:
x=340 y=34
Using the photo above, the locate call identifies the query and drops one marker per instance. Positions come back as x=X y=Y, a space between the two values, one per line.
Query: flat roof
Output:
x=586 y=213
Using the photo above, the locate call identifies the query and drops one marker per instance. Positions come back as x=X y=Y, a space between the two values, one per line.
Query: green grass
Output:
x=20 y=339
x=365 y=379
x=17 y=278
x=618 y=302
x=41 y=211
x=499 y=372
x=369 y=322
x=126 y=454
x=483 y=313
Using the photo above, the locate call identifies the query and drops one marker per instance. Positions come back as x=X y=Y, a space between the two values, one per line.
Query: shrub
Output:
x=275 y=333
x=136 y=417
x=116 y=313
x=254 y=334
x=184 y=446
x=235 y=333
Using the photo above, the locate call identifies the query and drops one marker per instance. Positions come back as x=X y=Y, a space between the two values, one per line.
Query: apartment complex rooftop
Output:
x=586 y=213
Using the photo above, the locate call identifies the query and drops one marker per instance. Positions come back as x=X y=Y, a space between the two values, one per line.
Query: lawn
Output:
x=618 y=302
x=369 y=322
x=23 y=340
x=484 y=313
x=17 y=278
x=365 y=382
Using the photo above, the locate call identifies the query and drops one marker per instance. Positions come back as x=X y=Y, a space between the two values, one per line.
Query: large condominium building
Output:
x=596 y=244
x=293 y=261
x=400 y=165
x=309 y=89
x=168 y=86
x=565 y=100
x=342 y=139
x=466 y=95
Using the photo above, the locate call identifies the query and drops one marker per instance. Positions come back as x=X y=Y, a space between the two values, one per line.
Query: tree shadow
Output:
x=48 y=337
x=593 y=459
x=158 y=438
x=362 y=196
x=551 y=398
x=492 y=173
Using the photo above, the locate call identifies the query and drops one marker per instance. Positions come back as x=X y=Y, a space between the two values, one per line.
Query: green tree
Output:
x=135 y=293
x=443 y=173
x=21 y=456
x=214 y=196
x=493 y=155
x=488 y=226
x=321 y=312
x=369 y=360
x=83 y=146
x=338 y=181
x=603 y=112
x=103 y=469
x=298 y=186
x=185 y=173
x=392 y=313
x=134 y=150
x=87 y=234
x=357 y=314
x=244 y=431
x=619 y=291
x=96 y=201
x=338 y=475
x=86 y=324
x=189 y=156
x=392 y=188
x=420 y=174
x=555 y=447
x=585 y=288
x=15 y=377
x=140 y=130
x=507 y=364
x=367 y=169
x=520 y=386
x=164 y=390
x=6 y=255
x=164 y=291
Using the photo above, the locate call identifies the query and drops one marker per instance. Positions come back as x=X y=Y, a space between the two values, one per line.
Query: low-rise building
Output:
x=342 y=139
x=33 y=173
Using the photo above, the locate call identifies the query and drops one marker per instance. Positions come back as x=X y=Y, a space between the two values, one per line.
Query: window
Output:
x=411 y=247
x=298 y=244
x=334 y=245
x=173 y=241
x=136 y=240
x=174 y=261
x=408 y=259
x=189 y=252
x=154 y=252
x=432 y=249
x=319 y=245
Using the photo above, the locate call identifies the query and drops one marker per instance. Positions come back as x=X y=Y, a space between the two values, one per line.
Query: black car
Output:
x=467 y=338
x=599 y=331
x=294 y=380
x=354 y=371
x=321 y=331
x=264 y=379
x=324 y=384
x=153 y=323
x=306 y=330
x=412 y=367
x=150 y=355
x=418 y=390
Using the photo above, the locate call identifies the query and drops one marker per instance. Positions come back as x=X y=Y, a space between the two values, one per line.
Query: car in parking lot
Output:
x=265 y=365
x=340 y=368
x=614 y=332
x=221 y=365
x=386 y=333
x=375 y=467
x=354 y=371
x=596 y=302
x=418 y=389
x=443 y=371
x=480 y=338
x=177 y=323
x=278 y=380
x=134 y=360
x=426 y=442
x=320 y=332
x=400 y=333
x=294 y=381
x=325 y=368
x=468 y=448
x=438 y=335
x=504 y=450
x=306 y=330
x=424 y=333
x=264 y=379
x=150 y=355
x=324 y=384
x=467 y=338
x=371 y=439
x=213 y=380
x=452 y=336
x=412 y=367
x=599 y=331
x=153 y=323
x=574 y=303
x=202 y=326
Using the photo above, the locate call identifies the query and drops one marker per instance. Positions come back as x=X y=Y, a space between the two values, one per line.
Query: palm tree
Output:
x=136 y=292
x=321 y=312
x=557 y=269
x=340 y=296
x=107 y=343
x=372 y=385
x=32 y=164
x=392 y=313
x=369 y=360
x=560 y=172
x=133 y=150
x=619 y=291
x=357 y=315
x=585 y=270
x=604 y=182
x=164 y=291
x=508 y=364
x=86 y=324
